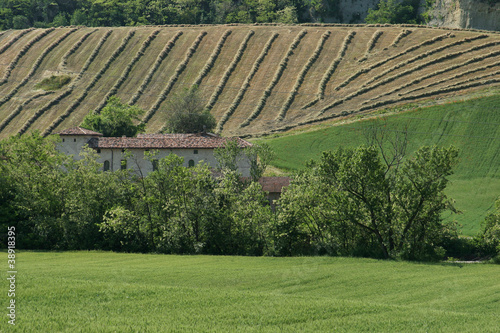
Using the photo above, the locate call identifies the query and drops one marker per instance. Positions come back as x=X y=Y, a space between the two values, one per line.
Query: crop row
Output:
x=246 y=84
x=424 y=55
x=472 y=79
x=333 y=66
x=399 y=37
x=454 y=77
x=35 y=66
x=384 y=61
x=439 y=72
x=20 y=107
x=15 y=39
x=277 y=75
x=371 y=45
x=159 y=59
x=21 y=53
x=178 y=71
x=426 y=64
x=300 y=79
x=73 y=49
x=230 y=69
x=85 y=92
x=127 y=70
x=213 y=57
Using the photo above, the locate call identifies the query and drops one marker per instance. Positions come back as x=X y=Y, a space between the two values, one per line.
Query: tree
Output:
x=489 y=236
x=391 y=209
x=116 y=119
x=393 y=12
x=186 y=113
x=259 y=157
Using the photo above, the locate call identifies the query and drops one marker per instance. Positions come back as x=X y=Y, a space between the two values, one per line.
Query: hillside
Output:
x=255 y=79
x=473 y=126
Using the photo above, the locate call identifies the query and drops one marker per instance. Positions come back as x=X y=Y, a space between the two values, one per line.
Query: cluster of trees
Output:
x=396 y=12
x=359 y=202
x=20 y=14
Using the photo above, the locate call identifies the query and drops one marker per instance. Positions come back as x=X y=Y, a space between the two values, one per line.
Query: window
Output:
x=196 y=151
x=155 y=164
x=63 y=140
x=106 y=165
x=74 y=140
x=124 y=165
x=191 y=163
x=98 y=151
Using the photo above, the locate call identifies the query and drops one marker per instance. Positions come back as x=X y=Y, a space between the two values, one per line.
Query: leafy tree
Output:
x=489 y=236
x=186 y=113
x=391 y=209
x=259 y=157
x=115 y=119
x=227 y=157
x=393 y=12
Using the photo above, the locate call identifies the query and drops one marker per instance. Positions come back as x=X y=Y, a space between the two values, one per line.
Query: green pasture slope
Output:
x=111 y=292
x=473 y=126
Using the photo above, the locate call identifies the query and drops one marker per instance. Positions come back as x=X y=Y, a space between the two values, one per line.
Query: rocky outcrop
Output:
x=465 y=14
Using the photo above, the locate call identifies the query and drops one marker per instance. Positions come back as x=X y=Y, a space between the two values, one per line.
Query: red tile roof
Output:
x=79 y=131
x=165 y=141
x=274 y=184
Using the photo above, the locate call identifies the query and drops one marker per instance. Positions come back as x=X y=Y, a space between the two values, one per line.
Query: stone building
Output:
x=192 y=147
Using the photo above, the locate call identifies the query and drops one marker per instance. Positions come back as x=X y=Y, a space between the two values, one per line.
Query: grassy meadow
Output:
x=112 y=292
x=473 y=126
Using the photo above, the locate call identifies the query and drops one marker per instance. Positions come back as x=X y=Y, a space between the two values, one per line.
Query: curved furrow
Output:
x=423 y=56
x=456 y=76
x=180 y=68
x=64 y=60
x=384 y=61
x=230 y=69
x=35 y=66
x=399 y=37
x=436 y=73
x=161 y=56
x=20 y=54
x=371 y=45
x=333 y=66
x=70 y=89
x=277 y=75
x=300 y=79
x=127 y=71
x=246 y=84
x=20 y=107
x=14 y=39
x=213 y=57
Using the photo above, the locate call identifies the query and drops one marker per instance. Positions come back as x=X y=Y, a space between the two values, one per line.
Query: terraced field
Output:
x=254 y=79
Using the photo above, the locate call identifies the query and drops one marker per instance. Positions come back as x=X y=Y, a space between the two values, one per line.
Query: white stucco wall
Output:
x=73 y=145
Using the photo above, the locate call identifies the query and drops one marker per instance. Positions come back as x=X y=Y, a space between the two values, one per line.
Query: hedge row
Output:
x=127 y=71
x=371 y=45
x=76 y=46
x=399 y=37
x=213 y=57
x=178 y=71
x=21 y=53
x=230 y=69
x=300 y=79
x=19 y=108
x=163 y=54
x=384 y=61
x=84 y=94
x=14 y=39
x=246 y=84
x=277 y=75
x=424 y=55
x=450 y=68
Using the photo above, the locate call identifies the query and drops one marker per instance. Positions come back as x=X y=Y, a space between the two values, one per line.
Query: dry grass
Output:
x=378 y=66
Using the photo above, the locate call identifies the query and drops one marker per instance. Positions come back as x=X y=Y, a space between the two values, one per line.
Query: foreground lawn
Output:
x=473 y=126
x=110 y=292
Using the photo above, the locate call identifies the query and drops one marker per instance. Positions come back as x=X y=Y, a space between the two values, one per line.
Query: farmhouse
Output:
x=193 y=148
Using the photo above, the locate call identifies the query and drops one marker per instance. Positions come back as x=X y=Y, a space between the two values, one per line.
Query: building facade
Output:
x=130 y=152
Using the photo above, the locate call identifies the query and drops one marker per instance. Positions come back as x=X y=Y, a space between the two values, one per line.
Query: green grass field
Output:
x=473 y=126
x=110 y=292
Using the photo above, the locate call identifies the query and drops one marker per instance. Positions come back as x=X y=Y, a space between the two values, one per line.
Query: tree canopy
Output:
x=185 y=113
x=115 y=119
